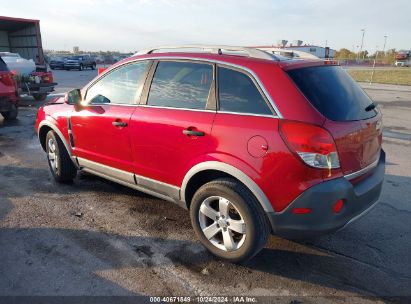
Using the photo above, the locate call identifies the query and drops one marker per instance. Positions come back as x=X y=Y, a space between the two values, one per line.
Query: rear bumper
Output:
x=358 y=200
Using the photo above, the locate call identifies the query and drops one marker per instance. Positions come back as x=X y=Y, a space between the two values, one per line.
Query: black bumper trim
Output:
x=358 y=200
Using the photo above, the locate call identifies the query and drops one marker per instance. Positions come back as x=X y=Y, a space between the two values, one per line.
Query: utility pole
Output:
x=383 y=48
x=362 y=42
x=385 y=42
x=373 y=66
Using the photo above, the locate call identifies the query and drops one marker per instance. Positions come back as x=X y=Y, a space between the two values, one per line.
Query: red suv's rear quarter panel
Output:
x=279 y=174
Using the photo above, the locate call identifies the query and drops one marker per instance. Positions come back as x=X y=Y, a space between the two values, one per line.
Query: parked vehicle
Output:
x=403 y=58
x=31 y=79
x=20 y=65
x=22 y=50
x=80 y=62
x=8 y=93
x=57 y=62
x=251 y=145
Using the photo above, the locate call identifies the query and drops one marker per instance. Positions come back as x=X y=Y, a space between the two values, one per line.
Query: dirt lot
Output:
x=94 y=237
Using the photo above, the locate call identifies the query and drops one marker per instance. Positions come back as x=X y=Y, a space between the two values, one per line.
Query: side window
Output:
x=122 y=86
x=181 y=85
x=238 y=93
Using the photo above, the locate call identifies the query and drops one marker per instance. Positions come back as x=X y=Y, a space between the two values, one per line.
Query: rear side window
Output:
x=333 y=92
x=3 y=66
x=181 y=85
x=238 y=93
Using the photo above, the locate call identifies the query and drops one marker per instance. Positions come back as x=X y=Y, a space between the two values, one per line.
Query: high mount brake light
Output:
x=314 y=145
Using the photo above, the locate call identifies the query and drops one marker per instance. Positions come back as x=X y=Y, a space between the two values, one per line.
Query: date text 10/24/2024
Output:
x=204 y=299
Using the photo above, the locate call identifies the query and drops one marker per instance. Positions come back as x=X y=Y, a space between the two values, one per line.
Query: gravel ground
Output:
x=94 y=237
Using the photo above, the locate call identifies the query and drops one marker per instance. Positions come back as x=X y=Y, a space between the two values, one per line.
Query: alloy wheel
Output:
x=52 y=154
x=222 y=223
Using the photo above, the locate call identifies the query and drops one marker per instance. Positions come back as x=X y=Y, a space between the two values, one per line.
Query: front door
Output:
x=101 y=128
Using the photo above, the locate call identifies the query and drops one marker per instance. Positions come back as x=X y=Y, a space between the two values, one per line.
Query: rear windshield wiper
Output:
x=370 y=107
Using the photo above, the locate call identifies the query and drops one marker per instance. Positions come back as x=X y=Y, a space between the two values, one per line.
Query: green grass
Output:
x=401 y=76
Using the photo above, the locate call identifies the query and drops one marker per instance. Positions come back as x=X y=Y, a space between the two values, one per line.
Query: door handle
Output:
x=190 y=132
x=119 y=124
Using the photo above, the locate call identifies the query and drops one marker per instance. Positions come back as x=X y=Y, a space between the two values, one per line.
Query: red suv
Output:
x=250 y=142
x=8 y=93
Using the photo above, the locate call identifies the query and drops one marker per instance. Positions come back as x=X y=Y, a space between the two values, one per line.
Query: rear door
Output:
x=171 y=131
x=350 y=115
x=100 y=129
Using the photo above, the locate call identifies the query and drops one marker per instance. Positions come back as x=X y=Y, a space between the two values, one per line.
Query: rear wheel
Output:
x=40 y=96
x=60 y=163
x=228 y=220
x=11 y=114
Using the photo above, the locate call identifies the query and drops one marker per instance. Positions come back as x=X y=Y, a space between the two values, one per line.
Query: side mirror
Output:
x=73 y=97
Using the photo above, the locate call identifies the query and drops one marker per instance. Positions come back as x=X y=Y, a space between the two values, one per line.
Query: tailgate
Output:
x=358 y=142
x=350 y=114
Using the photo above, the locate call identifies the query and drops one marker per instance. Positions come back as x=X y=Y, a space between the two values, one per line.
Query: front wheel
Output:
x=228 y=220
x=11 y=114
x=60 y=163
x=93 y=66
x=80 y=67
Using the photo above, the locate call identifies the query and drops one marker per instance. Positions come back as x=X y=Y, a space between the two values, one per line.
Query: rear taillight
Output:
x=7 y=79
x=313 y=144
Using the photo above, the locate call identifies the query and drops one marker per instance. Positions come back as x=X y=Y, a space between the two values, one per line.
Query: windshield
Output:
x=333 y=93
x=76 y=57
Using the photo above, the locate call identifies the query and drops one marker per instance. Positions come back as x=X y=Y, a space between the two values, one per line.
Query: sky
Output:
x=129 y=25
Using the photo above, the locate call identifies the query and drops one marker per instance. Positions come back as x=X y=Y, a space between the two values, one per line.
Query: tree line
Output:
x=387 y=57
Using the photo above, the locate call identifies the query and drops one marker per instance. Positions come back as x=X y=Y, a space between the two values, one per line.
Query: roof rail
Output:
x=278 y=51
x=215 y=49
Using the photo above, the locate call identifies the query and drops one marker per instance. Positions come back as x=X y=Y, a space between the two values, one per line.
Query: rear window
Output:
x=333 y=92
x=3 y=66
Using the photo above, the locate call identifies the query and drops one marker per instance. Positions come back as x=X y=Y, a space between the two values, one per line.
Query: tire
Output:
x=244 y=210
x=12 y=114
x=60 y=163
x=40 y=96
x=80 y=67
x=93 y=66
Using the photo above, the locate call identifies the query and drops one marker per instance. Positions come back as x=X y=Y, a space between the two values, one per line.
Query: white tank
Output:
x=23 y=67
